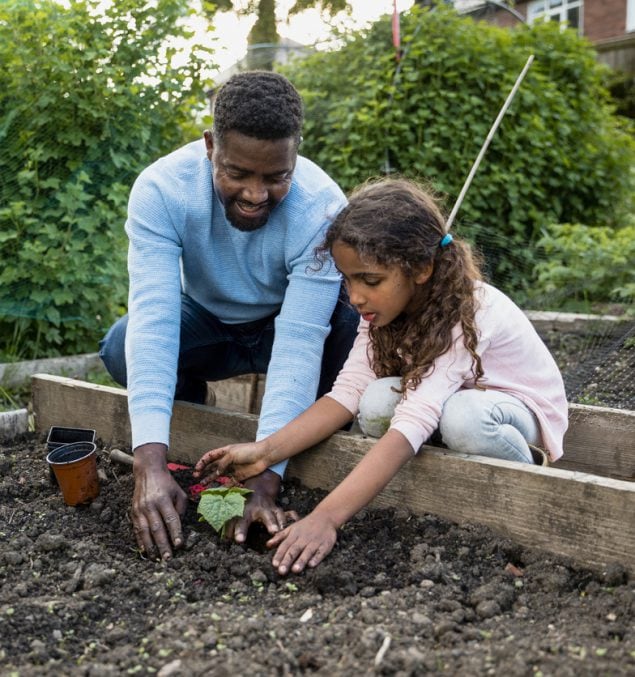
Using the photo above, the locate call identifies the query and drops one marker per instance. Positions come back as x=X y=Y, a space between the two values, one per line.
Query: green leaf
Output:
x=218 y=506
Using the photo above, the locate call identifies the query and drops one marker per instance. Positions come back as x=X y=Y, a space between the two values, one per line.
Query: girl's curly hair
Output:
x=396 y=222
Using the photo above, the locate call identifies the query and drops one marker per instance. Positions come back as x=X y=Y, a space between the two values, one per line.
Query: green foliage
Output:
x=221 y=504
x=89 y=94
x=560 y=154
x=621 y=85
x=585 y=263
x=264 y=31
x=328 y=6
x=10 y=400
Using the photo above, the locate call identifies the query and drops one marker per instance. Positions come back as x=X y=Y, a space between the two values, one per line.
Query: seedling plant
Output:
x=219 y=505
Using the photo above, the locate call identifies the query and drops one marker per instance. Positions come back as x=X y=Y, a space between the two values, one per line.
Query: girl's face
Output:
x=379 y=293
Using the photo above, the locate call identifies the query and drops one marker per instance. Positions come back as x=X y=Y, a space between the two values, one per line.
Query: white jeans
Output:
x=486 y=422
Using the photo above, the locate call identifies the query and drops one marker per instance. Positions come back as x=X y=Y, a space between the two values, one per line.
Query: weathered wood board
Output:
x=580 y=515
x=18 y=374
x=600 y=441
x=577 y=323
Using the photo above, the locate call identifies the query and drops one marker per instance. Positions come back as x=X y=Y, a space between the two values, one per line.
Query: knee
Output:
x=377 y=406
x=112 y=350
x=459 y=424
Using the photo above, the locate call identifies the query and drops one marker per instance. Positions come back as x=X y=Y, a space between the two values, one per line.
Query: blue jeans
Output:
x=485 y=422
x=489 y=423
x=211 y=350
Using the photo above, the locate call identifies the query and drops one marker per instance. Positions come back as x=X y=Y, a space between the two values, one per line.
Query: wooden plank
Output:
x=241 y=393
x=13 y=423
x=195 y=428
x=17 y=374
x=561 y=511
x=600 y=440
x=577 y=323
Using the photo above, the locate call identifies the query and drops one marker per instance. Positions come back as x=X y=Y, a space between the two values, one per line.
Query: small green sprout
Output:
x=221 y=504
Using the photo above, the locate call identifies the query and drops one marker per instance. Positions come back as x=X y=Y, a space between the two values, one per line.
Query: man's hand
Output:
x=260 y=507
x=241 y=461
x=305 y=543
x=158 y=503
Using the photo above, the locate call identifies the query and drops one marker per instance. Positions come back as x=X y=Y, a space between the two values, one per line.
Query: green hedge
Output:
x=88 y=97
x=560 y=155
x=587 y=266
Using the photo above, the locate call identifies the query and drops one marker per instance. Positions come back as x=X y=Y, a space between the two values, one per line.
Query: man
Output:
x=222 y=233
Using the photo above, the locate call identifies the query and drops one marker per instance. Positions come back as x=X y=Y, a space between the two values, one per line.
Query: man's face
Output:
x=251 y=176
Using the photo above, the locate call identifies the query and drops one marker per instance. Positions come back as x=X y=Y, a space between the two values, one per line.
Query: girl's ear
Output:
x=424 y=274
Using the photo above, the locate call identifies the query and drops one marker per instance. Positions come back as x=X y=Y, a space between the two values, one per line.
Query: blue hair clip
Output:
x=445 y=241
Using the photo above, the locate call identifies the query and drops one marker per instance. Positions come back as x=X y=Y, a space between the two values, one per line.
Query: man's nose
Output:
x=255 y=191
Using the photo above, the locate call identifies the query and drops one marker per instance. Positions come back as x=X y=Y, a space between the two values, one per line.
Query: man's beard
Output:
x=244 y=224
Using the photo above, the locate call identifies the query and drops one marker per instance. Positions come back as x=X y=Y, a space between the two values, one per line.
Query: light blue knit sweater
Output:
x=180 y=239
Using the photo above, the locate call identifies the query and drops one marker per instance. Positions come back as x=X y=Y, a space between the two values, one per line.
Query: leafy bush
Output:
x=621 y=85
x=559 y=156
x=586 y=263
x=88 y=96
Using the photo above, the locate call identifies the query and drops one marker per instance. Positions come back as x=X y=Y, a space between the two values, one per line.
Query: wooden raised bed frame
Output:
x=583 y=507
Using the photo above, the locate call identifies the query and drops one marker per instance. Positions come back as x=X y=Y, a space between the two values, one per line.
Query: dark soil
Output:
x=399 y=595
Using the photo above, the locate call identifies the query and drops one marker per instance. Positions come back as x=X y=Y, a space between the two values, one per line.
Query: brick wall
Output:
x=602 y=18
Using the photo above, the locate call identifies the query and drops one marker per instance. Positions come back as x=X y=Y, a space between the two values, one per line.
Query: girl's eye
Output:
x=372 y=282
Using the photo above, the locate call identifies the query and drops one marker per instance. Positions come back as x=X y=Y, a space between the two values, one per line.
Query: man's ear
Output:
x=424 y=274
x=209 y=142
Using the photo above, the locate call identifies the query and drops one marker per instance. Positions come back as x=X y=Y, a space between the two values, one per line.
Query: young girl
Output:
x=437 y=348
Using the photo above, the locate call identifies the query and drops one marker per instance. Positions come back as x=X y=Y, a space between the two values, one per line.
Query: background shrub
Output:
x=88 y=97
x=586 y=264
x=560 y=155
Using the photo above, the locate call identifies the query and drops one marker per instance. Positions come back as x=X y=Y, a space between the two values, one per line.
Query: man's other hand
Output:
x=260 y=507
x=158 y=503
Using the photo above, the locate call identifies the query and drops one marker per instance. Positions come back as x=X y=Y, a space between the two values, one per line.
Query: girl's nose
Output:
x=355 y=296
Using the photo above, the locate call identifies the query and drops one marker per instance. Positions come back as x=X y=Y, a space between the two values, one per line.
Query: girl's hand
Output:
x=239 y=461
x=305 y=543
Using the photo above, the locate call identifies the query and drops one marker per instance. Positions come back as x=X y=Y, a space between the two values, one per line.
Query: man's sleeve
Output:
x=300 y=331
x=154 y=309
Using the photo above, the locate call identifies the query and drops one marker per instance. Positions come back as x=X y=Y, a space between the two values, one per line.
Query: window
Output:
x=565 y=12
x=630 y=15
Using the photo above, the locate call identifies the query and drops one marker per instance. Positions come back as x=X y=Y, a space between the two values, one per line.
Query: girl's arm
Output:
x=308 y=541
x=318 y=422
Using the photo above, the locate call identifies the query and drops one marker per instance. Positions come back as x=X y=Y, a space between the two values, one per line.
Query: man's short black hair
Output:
x=260 y=104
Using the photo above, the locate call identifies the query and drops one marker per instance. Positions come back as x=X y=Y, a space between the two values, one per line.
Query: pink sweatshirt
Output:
x=514 y=359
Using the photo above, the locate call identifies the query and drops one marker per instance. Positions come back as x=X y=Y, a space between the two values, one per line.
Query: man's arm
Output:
x=301 y=329
x=151 y=359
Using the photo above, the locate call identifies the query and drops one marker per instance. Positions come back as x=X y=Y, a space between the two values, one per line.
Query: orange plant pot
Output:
x=75 y=468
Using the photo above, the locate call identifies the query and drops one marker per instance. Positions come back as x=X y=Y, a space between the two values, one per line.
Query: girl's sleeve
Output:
x=356 y=373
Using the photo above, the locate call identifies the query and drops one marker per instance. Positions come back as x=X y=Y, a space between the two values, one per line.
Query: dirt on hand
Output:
x=400 y=594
